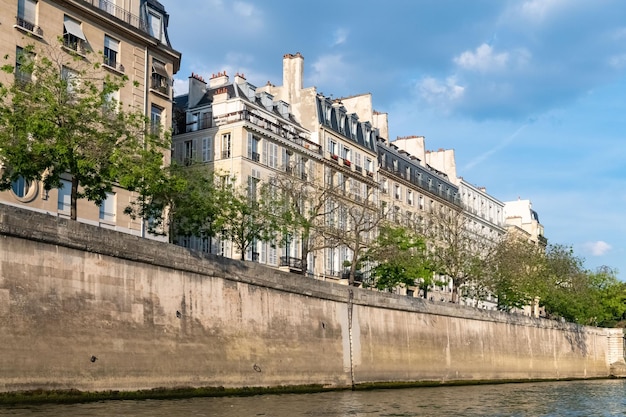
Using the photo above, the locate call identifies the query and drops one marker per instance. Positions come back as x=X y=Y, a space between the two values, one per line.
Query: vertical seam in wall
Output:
x=350 y=307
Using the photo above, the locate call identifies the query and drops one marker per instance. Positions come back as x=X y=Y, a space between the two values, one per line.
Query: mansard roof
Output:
x=396 y=161
x=334 y=116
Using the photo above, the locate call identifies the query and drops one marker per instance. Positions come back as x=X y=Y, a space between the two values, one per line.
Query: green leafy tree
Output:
x=249 y=217
x=568 y=293
x=400 y=258
x=610 y=295
x=302 y=204
x=458 y=252
x=352 y=223
x=58 y=117
x=516 y=277
x=188 y=201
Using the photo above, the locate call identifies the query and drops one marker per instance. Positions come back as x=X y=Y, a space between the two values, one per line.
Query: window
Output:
x=287 y=159
x=345 y=153
x=332 y=147
x=252 y=187
x=226 y=145
x=341 y=182
x=107 y=208
x=302 y=165
x=272 y=257
x=385 y=185
x=73 y=36
x=155 y=118
x=71 y=79
x=357 y=160
x=409 y=197
x=206 y=150
x=23 y=65
x=190 y=152
x=111 y=100
x=368 y=164
x=64 y=196
x=397 y=191
x=160 y=78
x=111 y=48
x=20 y=187
x=27 y=14
x=253 y=149
x=154 y=25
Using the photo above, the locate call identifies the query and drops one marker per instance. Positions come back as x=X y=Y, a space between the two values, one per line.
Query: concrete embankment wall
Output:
x=91 y=309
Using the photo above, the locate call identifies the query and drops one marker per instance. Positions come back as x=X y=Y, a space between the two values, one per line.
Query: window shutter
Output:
x=264 y=157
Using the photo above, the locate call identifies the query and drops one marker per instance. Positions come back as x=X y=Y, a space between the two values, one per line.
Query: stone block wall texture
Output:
x=92 y=309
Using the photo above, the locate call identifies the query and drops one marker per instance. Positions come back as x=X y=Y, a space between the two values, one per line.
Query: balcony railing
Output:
x=291 y=262
x=120 y=13
x=285 y=131
x=29 y=26
x=425 y=185
x=159 y=86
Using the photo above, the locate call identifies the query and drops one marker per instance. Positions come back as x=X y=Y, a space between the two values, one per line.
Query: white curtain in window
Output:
x=111 y=43
x=27 y=10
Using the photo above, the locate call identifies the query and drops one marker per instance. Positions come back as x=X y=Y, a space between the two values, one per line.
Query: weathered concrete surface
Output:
x=91 y=309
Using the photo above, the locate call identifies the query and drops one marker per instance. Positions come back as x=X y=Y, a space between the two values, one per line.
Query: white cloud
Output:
x=340 y=36
x=484 y=59
x=598 y=248
x=438 y=92
x=538 y=10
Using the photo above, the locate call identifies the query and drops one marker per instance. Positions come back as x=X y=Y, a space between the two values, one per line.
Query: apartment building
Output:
x=257 y=133
x=236 y=129
x=348 y=142
x=521 y=219
x=131 y=39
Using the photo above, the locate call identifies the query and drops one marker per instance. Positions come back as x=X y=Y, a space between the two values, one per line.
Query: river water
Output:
x=574 y=398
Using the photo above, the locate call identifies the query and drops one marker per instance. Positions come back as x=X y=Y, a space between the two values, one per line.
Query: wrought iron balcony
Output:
x=291 y=262
x=120 y=13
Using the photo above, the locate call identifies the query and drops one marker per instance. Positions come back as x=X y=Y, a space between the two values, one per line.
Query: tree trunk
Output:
x=74 y=198
x=304 y=255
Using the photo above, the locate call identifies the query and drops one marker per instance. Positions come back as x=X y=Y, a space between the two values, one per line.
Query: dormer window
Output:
x=73 y=36
x=154 y=24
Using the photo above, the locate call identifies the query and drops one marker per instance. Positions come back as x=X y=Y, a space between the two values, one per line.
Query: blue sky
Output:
x=530 y=94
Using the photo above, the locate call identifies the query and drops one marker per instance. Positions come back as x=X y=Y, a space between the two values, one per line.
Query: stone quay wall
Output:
x=91 y=309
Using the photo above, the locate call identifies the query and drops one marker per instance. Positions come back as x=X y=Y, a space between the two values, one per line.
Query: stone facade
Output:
x=134 y=43
x=92 y=309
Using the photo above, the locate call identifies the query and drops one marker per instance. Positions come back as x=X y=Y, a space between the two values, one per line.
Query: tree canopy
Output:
x=59 y=116
x=401 y=260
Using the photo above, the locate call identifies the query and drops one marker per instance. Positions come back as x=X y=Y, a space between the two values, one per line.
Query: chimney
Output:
x=218 y=79
x=197 y=88
x=293 y=72
x=248 y=89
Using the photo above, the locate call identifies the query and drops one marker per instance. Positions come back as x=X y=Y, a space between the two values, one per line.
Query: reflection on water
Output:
x=578 y=398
